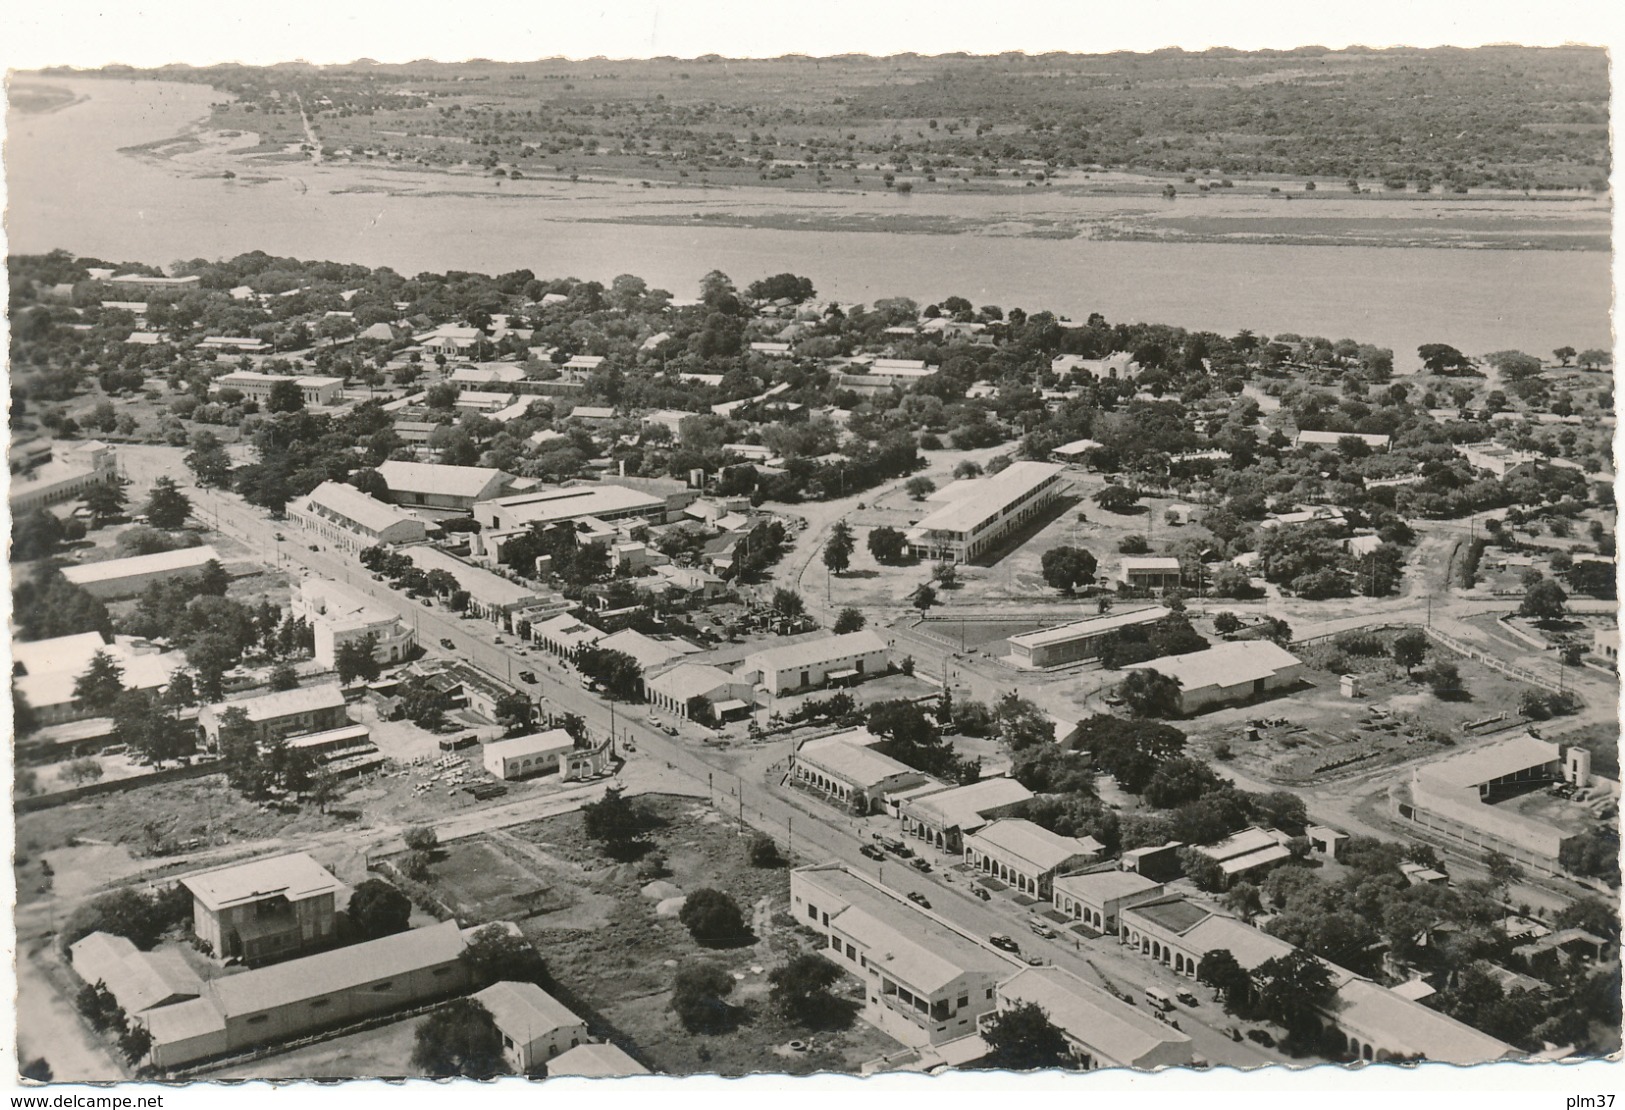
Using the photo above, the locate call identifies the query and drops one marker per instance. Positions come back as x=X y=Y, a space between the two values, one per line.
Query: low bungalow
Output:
x=700 y=692
x=942 y=819
x=817 y=662
x=527 y=756
x=535 y=1026
x=1150 y=572
x=1230 y=672
x=1097 y=898
x=1026 y=856
x=846 y=769
x=1101 y=1030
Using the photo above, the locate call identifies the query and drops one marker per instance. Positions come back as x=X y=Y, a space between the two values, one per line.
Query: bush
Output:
x=1364 y=644
x=765 y=853
x=422 y=838
x=713 y=917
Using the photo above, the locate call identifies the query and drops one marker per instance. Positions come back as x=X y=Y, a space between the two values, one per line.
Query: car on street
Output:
x=1232 y=1032
x=669 y=730
x=445 y=642
x=999 y=940
x=981 y=892
x=1035 y=961
x=528 y=676
x=872 y=852
x=920 y=865
x=1187 y=998
x=918 y=899
x=1261 y=1036
x=586 y=683
x=1041 y=929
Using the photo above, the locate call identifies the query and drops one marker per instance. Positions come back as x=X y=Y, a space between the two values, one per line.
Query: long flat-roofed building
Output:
x=1333 y=439
x=490 y=595
x=117 y=578
x=817 y=661
x=980 y=513
x=606 y=502
x=283 y=713
x=925 y=982
x=1026 y=856
x=1227 y=673
x=1102 y=1030
x=1248 y=853
x=45 y=671
x=341 y=515
x=314 y=389
x=437 y=486
x=270 y=1005
x=847 y=770
x=1457 y=796
x=69 y=473
x=1069 y=643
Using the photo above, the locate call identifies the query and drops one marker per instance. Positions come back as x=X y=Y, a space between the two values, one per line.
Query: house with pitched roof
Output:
x=535 y=1026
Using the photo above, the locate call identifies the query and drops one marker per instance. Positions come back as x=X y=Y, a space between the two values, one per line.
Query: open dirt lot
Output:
x=1395 y=720
x=611 y=955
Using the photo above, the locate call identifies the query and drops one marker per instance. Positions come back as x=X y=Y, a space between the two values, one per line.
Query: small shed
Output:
x=1349 y=686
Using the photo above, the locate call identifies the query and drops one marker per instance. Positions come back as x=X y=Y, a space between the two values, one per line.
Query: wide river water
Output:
x=71 y=185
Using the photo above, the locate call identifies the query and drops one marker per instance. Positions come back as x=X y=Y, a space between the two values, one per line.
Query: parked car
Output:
x=1261 y=1036
x=918 y=899
x=1041 y=927
x=920 y=865
x=872 y=852
x=528 y=676
x=445 y=642
x=999 y=940
x=1187 y=998
x=981 y=892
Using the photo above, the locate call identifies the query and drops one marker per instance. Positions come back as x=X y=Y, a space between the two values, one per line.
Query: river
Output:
x=73 y=185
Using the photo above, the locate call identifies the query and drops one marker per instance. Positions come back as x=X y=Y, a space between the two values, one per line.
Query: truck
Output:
x=1159 y=999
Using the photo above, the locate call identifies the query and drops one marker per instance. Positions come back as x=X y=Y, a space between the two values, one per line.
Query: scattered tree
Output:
x=459 y=1039
x=712 y=917
x=1022 y=1038
x=377 y=909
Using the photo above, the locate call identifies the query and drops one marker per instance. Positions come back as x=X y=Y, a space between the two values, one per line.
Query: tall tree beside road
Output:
x=167 y=507
x=919 y=488
x=1410 y=648
x=1129 y=751
x=923 y=597
x=1292 y=991
x=104 y=501
x=1023 y=1038
x=1116 y=498
x=1441 y=358
x=35 y=535
x=208 y=460
x=1220 y=970
x=838 y=549
x=788 y=604
x=1543 y=601
x=617 y=823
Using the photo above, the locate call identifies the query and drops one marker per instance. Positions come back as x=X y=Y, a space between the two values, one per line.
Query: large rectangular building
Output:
x=1457 y=796
x=119 y=578
x=1069 y=643
x=980 y=513
x=1227 y=673
x=271 y=1005
x=542 y=508
x=282 y=714
x=315 y=390
x=436 y=486
x=490 y=595
x=817 y=662
x=343 y=517
x=924 y=982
